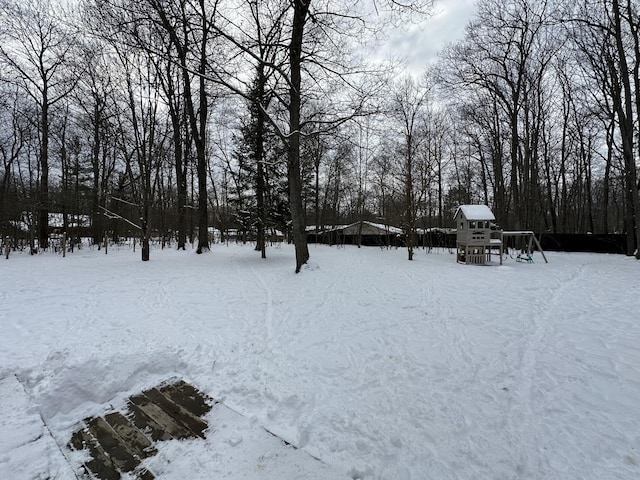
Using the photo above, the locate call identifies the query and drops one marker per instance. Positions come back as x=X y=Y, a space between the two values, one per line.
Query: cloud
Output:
x=420 y=43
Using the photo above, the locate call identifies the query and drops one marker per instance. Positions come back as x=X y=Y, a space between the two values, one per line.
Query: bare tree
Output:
x=142 y=136
x=624 y=22
x=13 y=137
x=95 y=96
x=407 y=108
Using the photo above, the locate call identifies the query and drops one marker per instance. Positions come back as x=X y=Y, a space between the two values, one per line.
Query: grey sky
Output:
x=420 y=43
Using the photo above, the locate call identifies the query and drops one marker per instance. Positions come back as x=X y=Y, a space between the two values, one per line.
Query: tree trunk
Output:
x=203 y=215
x=43 y=220
x=408 y=199
x=515 y=191
x=301 y=9
x=181 y=186
x=261 y=244
x=624 y=106
x=606 y=180
x=95 y=192
x=145 y=247
x=181 y=175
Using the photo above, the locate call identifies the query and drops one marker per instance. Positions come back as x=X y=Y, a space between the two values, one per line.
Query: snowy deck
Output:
x=117 y=442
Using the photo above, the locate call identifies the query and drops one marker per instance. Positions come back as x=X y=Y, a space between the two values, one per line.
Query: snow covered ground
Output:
x=380 y=367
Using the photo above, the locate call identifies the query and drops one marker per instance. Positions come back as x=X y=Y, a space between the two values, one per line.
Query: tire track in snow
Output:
x=523 y=417
x=268 y=313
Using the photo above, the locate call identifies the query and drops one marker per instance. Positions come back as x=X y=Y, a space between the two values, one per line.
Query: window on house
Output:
x=472 y=224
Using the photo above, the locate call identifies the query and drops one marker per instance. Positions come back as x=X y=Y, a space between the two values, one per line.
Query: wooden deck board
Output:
x=100 y=464
x=158 y=415
x=178 y=413
x=137 y=441
x=184 y=394
x=117 y=449
x=147 y=424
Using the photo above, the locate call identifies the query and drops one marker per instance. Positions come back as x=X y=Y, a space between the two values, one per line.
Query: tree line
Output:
x=169 y=117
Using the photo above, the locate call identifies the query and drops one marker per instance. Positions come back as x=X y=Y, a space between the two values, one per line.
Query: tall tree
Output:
x=190 y=26
x=298 y=219
x=142 y=136
x=171 y=80
x=624 y=23
x=96 y=98
x=261 y=40
x=407 y=108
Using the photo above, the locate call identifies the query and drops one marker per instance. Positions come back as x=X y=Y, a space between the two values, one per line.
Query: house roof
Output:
x=475 y=212
x=370 y=228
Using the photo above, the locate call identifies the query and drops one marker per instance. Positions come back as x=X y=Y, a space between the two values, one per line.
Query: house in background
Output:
x=475 y=239
x=358 y=233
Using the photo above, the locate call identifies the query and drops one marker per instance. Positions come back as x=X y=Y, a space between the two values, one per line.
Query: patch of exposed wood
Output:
x=118 y=442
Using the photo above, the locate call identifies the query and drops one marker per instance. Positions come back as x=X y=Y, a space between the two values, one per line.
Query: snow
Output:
x=379 y=367
x=476 y=212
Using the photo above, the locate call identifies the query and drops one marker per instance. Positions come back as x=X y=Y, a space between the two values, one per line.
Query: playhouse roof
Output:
x=475 y=212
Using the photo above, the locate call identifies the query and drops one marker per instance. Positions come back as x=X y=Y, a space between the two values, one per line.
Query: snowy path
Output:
x=27 y=448
x=382 y=368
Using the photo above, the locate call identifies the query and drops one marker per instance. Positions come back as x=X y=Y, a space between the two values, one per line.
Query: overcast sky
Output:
x=420 y=43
